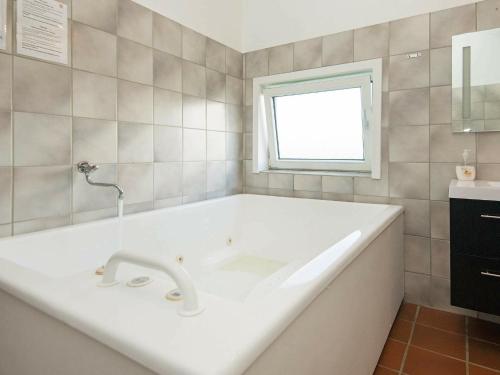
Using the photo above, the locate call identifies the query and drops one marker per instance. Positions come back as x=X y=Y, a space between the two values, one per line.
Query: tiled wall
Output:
x=419 y=150
x=156 y=105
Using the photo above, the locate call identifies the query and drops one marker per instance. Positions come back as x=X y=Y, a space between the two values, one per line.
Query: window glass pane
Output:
x=320 y=126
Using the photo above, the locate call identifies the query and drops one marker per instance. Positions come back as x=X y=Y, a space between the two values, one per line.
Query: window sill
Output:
x=319 y=173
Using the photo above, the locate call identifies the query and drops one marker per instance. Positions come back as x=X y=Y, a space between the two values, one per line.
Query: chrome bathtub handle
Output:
x=490 y=274
x=484 y=216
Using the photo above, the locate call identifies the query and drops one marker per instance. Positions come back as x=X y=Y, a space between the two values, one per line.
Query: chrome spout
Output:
x=86 y=168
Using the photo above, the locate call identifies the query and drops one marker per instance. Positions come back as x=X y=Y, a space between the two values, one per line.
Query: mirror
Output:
x=476 y=81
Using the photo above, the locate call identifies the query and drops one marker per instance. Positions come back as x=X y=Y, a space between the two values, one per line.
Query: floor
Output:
x=425 y=341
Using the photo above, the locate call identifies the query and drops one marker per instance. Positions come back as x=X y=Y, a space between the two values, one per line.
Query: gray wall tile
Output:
x=441 y=66
x=135 y=62
x=167 y=35
x=257 y=63
x=137 y=182
x=167 y=107
x=6 y=79
x=41 y=87
x=216 y=176
x=447 y=146
x=440 y=259
x=96 y=13
x=93 y=50
x=194 y=46
x=167 y=144
x=488 y=147
x=234 y=146
x=94 y=96
x=41 y=139
x=440 y=105
x=234 y=118
x=135 y=22
x=216 y=56
x=417 y=254
x=94 y=140
x=135 y=143
x=194 y=178
x=234 y=90
x=409 y=144
x=409 y=107
x=135 y=102
x=41 y=192
x=440 y=220
x=307 y=182
x=194 y=112
x=488 y=14
x=194 y=145
x=193 y=79
x=90 y=198
x=216 y=86
x=234 y=63
x=5 y=139
x=409 y=180
x=440 y=176
x=167 y=180
x=216 y=145
x=216 y=116
x=5 y=195
x=167 y=71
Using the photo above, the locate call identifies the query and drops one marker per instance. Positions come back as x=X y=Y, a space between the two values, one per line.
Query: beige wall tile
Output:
x=216 y=145
x=216 y=56
x=449 y=22
x=409 y=73
x=488 y=147
x=307 y=182
x=234 y=118
x=281 y=59
x=409 y=180
x=440 y=105
x=417 y=254
x=338 y=48
x=409 y=107
x=417 y=288
x=194 y=178
x=441 y=66
x=489 y=172
x=234 y=63
x=216 y=176
x=371 y=42
x=337 y=184
x=234 y=90
x=137 y=181
x=307 y=54
x=281 y=181
x=409 y=34
x=417 y=216
x=409 y=144
x=447 y=146
x=194 y=145
x=194 y=79
x=6 y=79
x=488 y=14
x=193 y=112
x=441 y=175
x=167 y=107
x=257 y=63
x=216 y=86
x=234 y=146
x=440 y=259
x=440 y=220
x=216 y=116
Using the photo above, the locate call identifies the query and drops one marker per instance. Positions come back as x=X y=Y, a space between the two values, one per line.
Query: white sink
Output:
x=482 y=190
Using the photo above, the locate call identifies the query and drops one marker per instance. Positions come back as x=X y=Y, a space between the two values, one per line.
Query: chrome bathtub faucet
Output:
x=86 y=168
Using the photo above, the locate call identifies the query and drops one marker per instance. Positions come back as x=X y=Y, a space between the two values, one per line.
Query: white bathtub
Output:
x=291 y=286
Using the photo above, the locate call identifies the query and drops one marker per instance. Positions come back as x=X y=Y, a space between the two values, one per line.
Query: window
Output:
x=325 y=119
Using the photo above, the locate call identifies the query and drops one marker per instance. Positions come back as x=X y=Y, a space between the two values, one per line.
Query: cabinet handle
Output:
x=490 y=217
x=486 y=273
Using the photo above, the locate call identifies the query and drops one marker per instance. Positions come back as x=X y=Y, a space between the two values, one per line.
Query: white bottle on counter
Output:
x=466 y=172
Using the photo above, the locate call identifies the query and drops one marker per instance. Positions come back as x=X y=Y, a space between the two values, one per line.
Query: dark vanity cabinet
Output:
x=475 y=254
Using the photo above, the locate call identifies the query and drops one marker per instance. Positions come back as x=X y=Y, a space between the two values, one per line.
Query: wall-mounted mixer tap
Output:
x=86 y=168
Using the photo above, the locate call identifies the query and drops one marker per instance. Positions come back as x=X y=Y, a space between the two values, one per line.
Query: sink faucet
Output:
x=86 y=168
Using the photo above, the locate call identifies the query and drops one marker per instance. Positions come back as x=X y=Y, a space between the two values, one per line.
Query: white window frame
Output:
x=366 y=75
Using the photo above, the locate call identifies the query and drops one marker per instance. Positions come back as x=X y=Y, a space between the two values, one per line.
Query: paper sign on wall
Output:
x=3 y=24
x=42 y=29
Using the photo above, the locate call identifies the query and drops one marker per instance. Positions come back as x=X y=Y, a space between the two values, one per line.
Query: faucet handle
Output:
x=86 y=168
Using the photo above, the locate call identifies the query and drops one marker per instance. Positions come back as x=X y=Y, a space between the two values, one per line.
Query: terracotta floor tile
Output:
x=392 y=354
x=424 y=362
x=439 y=341
x=484 y=353
x=407 y=311
x=401 y=330
x=442 y=319
x=484 y=330
x=476 y=370
x=384 y=371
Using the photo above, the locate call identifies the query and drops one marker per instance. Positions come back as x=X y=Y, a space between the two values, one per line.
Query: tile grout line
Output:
x=405 y=354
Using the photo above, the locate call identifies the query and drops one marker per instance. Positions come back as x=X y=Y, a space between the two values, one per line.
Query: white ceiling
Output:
x=247 y=25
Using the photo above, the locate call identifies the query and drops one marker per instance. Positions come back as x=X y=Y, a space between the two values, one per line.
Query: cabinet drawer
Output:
x=475 y=227
x=475 y=283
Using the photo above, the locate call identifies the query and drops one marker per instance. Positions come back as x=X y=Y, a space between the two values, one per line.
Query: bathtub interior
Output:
x=235 y=248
